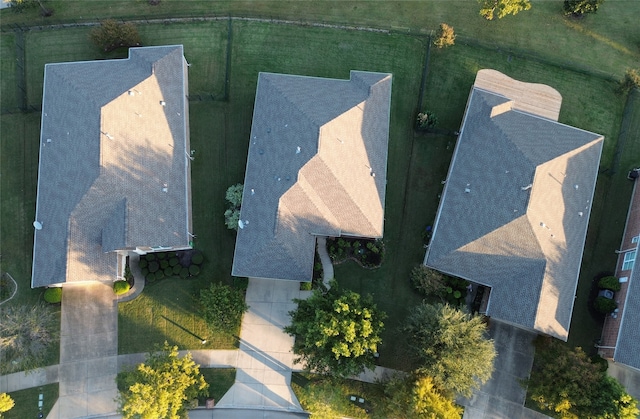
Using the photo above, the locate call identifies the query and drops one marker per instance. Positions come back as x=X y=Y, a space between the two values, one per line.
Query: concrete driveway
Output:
x=502 y=397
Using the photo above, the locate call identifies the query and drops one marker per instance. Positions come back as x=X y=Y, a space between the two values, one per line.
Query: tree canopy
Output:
x=451 y=346
x=500 y=8
x=6 y=403
x=26 y=335
x=566 y=383
x=580 y=7
x=111 y=35
x=222 y=307
x=445 y=36
x=160 y=387
x=337 y=332
x=418 y=398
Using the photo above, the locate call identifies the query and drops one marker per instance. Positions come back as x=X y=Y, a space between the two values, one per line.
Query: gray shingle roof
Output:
x=515 y=209
x=316 y=166
x=112 y=170
x=628 y=345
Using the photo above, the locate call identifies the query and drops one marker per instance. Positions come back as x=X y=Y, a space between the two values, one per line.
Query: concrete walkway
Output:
x=88 y=352
x=327 y=265
x=265 y=358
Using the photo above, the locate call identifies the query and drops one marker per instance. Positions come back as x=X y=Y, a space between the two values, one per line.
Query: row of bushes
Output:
x=430 y=282
x=183 y=263
x=604 y=303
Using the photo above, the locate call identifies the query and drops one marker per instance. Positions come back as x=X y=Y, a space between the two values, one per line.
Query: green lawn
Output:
x=220 y=380
x=8 y=67
x=27 y=402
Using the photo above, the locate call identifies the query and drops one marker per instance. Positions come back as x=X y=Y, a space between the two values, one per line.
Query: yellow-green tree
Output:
x=6 y=403
x=500 y=8
x=337 y=332
x=416 y=397
x=160 y=387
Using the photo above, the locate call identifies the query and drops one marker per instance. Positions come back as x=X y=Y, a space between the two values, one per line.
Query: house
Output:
x=316 y=166
x=114 y=172
x=621 y=334
x=515 y=207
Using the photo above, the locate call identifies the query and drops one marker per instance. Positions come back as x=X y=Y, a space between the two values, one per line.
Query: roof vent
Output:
x=253 y=191
x=48 y=140
x=580 y=213
x=131 y=93
x=165 y=188
x=298 y=150
x=526 y=188
x=37 y=225
x=261 y=151
x=576 y=186
x=163 y=103
x=467 y=190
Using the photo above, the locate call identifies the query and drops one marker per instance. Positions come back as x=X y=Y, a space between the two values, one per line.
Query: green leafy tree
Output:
x=27 y=333
x=416 y=397
x=580 y=7
x=445 y=36
x=222 y=307
x=160 y=387
x=337 y=332
x=6 y=403
x=234 y=201
x=500 y=8
x=566 y=383
x=451 y=346
x=427 y=281
x=111 y=35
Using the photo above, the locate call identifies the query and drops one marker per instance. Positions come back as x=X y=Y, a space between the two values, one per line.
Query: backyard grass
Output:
x=27 y=402
x=8 y=87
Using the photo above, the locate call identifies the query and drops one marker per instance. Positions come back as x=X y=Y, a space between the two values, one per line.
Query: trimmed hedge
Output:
x=143 y=263
x=168 y=271
x=184 y=273
x=604 y=305
x=173 y=261
x=197 y=258
x=53 y=295
x=609 y=283
x=164 y=264
x=176 y=270
x=154 y=266
x=194 y=270
x=121 y=287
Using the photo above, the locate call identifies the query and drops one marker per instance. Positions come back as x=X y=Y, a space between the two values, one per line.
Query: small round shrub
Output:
x=194 y=270
x=143 y=263
x=144 y=271
x=173 y=261
x=609 y=283
x=168 y=271
x=154 y=266
x=161 y=255
x=176 y=269
x=604 y=305
x=159 y=274
x=164 y=264
x=53 y=295
x=121 y=287
x=457 y=294
x=305 y=286
x=184 y=273
x=150 y=256
x=197 y=258
x=150 y=277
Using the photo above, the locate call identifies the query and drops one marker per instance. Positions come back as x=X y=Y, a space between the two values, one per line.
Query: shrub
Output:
x=240 y=282
x=159 y=274
x=445 y=36
x=194 y=270
x=176 y=269
x=222 y=307
x=630 y=81
x=173 y=261
x=168 y=271
x=426 y=120
x=184 y=273
x=150 y=257
x=305 y=286
x=143 y=263
x=53 y=295
x=609 y=283
x=121 y=287
x=197 y=258
x=580 y=7
x=427 y=281
x=161 y=255
x=144 y=271
x=154 y=266
x=150 y=277
x=111 y=35
x=164 y=264
x=604 y=305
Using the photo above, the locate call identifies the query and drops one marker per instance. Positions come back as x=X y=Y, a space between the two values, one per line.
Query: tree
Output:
x=451 y=347
x=501 y=8
x=111 y=35
x=415 y=397
x=630 y=81
x=337 y=332
x=234 y=200
x=26 y=336
x=580 y=7
x=426 y=120
x=567 y=383
x=6 y=403
x=160 y=387
x=21 y=5
x=445 y=36
x=222 y=307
